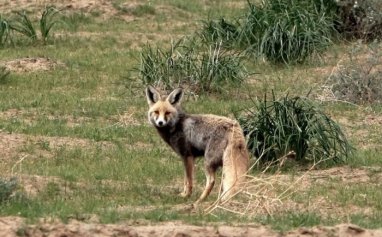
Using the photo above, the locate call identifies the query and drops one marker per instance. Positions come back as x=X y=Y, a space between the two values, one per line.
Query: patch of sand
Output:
x=15 y=226
x=31 y=64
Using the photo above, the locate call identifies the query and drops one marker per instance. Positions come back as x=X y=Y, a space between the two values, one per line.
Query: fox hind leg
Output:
x=210 y=182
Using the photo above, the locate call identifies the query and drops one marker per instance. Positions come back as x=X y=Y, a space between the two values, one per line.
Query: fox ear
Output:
x=175 y=96
x=152 y=95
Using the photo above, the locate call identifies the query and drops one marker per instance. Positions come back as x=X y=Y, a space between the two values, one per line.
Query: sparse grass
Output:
x=136 y=10
x=74 y=20
x=86 y=135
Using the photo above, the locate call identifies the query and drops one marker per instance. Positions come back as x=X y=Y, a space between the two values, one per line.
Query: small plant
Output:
x=221 y=30
x=5 y=31
x=25 y=26
x=277 y=128
x=358 y=80
x=47 y=22
x=203 y=69
x=4 y=73
x=7 y=188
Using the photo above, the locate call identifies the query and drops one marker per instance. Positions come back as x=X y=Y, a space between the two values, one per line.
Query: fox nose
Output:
x=160 y=123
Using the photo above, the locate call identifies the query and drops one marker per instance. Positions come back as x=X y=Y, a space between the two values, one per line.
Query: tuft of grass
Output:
x=4 y=74
x=47 y=22
x=275 y=128
x=202 y=68
x=25 y=26
x=5 y=31
x=220 y=30
x=285 y=31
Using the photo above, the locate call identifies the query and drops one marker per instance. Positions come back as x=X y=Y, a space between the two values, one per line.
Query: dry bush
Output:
x=360 y=19
x=358 y=78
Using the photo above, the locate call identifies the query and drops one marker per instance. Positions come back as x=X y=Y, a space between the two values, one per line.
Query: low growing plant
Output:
x=220 y=30
x=47 y=21
x=25 y=26
x=204 y=68
x=275 y=128
x=4 y=73
x=5 y=31
x=7 y=188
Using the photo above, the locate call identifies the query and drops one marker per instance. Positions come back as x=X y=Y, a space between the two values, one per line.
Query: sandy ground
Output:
x=15 y=226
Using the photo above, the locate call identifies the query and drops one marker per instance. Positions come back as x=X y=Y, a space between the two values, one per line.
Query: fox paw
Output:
x=185 y=194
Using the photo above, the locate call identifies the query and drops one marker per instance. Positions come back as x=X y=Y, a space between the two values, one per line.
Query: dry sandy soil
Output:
x=14 y=226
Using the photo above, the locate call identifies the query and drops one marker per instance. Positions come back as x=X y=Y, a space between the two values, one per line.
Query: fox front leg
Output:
x=188 y=176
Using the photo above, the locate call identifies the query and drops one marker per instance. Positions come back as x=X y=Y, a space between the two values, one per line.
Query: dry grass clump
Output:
x=356 y=79
x=360 y=19
x=262 y=193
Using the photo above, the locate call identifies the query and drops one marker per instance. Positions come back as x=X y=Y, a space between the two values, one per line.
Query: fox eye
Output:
x=167 y=113
x=156 y=112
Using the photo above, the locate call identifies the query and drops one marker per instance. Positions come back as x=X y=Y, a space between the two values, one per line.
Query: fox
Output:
x=219 y=139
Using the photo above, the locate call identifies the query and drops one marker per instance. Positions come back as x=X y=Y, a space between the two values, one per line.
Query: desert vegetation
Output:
x=303 y=80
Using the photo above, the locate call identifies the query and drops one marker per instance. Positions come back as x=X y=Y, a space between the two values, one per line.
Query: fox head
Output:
x=163 y=111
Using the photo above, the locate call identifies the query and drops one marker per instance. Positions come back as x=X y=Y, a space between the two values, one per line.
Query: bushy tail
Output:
x=235 y=163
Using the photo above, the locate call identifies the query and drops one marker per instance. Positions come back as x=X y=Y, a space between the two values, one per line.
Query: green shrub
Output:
x=7 y=188
x=203 y=68
x=287 y=31
x=274 y=128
